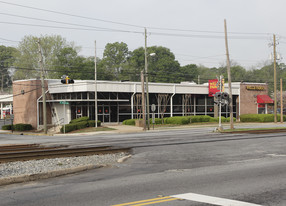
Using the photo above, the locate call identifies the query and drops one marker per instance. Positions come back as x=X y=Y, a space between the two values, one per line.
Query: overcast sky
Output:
x=191 y=29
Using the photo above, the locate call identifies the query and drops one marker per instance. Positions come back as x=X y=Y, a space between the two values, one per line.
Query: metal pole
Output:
x=219 y=100
x=275 y=79
x=281 y=101
x=229 y=78
x=143 y=101
x=147 y=87
x=43 y=89
x=64 y=117
x=95 y=86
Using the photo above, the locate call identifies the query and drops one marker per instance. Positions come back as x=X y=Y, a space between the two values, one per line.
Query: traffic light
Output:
x=218 y=97
x=66 y=80
x=225 y=95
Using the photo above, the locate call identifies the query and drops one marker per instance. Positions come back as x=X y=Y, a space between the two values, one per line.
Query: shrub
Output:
x=91 y=123
x=228 y=119
x=259 y=117
x=22 y=127
x=7 y=127
x=81 y=125
x=81 y=119
x=129 y=122
x=202 y=118
x=177 y=120
x=69 y=128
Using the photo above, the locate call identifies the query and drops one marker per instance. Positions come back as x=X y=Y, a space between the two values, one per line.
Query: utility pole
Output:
x=143 y=101
x=95 y=86
x=2 y=83
x=229 y=77
x=281 y=101
x=147 y=87
x=275 y=79
x=43 y=88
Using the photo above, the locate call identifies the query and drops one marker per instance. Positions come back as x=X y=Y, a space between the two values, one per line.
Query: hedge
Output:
x=91 y=123
x=81 y=123
x=7 y=127
x=259 y=117
x=81 y=119
x=22 y=127
x=202 y=118
x=129 y=122
x=177 y=120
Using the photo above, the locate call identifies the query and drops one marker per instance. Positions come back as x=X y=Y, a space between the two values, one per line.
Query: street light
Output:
x=147 y=89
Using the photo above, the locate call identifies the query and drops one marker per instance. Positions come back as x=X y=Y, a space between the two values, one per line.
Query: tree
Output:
x=189 y=72
x=6 y=61
x=114 y=58
x=161 y=68
x=27 y=59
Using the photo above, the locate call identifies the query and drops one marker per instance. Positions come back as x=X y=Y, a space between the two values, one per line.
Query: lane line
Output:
x=143 y=201
x=212 y=200
x=155 y=202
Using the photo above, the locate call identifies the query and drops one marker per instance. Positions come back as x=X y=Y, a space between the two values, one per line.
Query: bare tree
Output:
x=138 y=105
x=163 y=100
x=187 y=104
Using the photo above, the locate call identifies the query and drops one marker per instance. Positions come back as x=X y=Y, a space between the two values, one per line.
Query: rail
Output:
x=32 y=152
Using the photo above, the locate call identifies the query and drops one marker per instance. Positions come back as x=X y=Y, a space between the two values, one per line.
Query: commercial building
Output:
x=118 y=101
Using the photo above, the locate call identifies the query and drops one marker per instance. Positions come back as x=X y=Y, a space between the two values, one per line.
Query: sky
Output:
x=192 y=29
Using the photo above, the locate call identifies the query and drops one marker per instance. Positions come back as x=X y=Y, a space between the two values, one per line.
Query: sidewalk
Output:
x=120 y=129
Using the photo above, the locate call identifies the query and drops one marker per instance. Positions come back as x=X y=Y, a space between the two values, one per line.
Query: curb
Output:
x=46 y=175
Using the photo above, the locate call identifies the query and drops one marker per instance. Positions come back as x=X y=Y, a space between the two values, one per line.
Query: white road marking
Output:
x=212 y=200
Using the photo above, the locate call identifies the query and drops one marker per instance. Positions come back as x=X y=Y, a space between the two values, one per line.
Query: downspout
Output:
x=132 y=97
x=38 y=118
x=172 y=100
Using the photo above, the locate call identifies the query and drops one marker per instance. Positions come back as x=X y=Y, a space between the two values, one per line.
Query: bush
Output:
x=69 y=128
x=202 y=118
x=7 y=127
x=91 y=123
x=177 y=120
x=129 y=122
x=81 y=125
x=259 y=118
x=22 y=127
x=81 y=119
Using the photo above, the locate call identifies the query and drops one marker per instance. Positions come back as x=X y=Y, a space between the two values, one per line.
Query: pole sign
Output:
x=153 y=107
x=64 y=102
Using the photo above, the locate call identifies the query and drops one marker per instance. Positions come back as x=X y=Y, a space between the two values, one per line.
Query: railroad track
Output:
x=14 y=153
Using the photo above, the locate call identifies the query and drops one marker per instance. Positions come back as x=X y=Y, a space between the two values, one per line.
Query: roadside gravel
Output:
x=31 y=167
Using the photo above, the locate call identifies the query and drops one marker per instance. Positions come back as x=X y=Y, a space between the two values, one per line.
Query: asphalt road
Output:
x=250 y=169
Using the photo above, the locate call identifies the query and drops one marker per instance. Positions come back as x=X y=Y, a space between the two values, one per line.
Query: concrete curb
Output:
x=123 y=159
x=46 y=175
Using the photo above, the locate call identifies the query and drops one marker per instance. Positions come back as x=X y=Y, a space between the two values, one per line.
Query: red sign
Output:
x=213 y=87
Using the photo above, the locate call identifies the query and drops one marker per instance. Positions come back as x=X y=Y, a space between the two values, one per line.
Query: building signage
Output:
x=214 y=87
x=259 y=88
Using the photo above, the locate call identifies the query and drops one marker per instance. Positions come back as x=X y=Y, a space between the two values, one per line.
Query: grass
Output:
x=252 y=129
x=92 y=129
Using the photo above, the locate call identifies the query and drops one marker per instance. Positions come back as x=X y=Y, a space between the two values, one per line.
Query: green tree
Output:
x=161 y=68
x=114 y=58
x=189 y=72
x=6 y=61
x=27 y=59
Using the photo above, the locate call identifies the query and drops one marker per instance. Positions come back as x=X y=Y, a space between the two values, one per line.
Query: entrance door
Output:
x=78 y=111
x=104 y=113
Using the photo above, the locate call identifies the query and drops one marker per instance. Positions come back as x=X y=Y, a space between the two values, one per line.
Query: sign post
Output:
x=64 y=103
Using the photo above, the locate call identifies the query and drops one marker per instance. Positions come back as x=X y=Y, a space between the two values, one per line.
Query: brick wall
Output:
x=25 y=98
x=248 y=97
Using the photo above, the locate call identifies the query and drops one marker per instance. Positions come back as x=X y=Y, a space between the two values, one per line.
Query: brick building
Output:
x=118 y=101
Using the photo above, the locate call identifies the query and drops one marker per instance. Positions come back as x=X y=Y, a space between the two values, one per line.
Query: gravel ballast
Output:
x=32 y=167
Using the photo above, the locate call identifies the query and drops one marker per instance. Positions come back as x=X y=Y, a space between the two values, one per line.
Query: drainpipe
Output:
x=172 y=100
x=132 y=101
x=38 y=118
